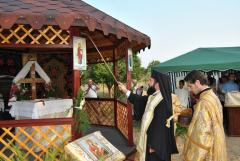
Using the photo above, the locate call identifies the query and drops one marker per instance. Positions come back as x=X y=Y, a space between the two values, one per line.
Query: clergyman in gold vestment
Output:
x=205 y=138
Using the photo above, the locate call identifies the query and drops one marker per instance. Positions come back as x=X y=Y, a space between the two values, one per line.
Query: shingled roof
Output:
x=66 y=13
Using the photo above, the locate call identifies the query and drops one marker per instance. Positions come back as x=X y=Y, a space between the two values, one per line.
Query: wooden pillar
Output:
x=115 y=71
x=76 y=82
x=75 y=31
x=129 y=108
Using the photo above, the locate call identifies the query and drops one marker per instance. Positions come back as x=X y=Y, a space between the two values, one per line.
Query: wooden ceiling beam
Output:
x=101 y=49
x=36 y=46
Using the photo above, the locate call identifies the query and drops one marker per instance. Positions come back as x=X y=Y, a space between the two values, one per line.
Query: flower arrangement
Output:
x=19 y=92
x=49 y=91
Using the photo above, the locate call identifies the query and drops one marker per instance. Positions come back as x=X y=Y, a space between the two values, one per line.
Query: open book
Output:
x=92 y=147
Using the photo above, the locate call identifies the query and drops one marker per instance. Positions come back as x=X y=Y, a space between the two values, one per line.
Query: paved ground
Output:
x=233 y=146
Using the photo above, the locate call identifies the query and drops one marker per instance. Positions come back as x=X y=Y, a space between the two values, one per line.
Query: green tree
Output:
x=101 y=75
x=137 y=72
x=121 y=70
x=152 y=64
x=147 y=74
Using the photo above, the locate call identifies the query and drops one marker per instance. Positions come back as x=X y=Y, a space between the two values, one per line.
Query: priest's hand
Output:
x=122 y=87
x=151 y=150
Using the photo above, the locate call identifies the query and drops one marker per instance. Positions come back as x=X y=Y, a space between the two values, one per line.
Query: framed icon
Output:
x=130 y=60
x=79 y=53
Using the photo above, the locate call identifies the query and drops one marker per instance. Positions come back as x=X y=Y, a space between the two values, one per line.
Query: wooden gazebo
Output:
x=44 y=29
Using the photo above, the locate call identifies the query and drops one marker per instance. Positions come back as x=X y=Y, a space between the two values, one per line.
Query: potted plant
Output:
x=184 y=120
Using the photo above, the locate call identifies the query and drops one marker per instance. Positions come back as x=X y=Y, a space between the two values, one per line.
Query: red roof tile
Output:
x=65 y=13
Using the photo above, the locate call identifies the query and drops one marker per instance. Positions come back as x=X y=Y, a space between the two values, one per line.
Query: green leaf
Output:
x=181 y=131
x=80 y=96
x=80 y=116
x=18 y=153
x=81 y=119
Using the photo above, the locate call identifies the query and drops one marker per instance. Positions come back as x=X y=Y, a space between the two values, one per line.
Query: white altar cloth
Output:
x=232 y=99
x=35 y=109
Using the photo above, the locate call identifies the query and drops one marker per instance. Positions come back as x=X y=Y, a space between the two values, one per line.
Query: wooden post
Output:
x=75 y=31
x=33 y=84
x=129 y=108
x=76 y=82
x=115 y=67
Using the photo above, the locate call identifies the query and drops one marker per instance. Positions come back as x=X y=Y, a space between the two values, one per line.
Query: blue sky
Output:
x=178 y=26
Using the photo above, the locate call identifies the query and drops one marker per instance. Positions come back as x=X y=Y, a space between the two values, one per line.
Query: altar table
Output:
x=39 y=109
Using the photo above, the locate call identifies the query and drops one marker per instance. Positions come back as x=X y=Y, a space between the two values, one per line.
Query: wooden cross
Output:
x=33 y=81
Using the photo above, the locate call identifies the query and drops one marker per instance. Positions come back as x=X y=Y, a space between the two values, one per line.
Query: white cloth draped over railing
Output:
x=26 y=69
x=35 y=109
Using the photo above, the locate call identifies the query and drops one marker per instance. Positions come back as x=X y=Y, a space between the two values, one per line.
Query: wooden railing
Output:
x=110 y=112
x=124 y=120
x=100 y=111
x=34 y=138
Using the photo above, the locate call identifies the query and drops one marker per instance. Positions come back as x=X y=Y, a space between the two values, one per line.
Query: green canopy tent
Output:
x=213 y=60
x=204 y=59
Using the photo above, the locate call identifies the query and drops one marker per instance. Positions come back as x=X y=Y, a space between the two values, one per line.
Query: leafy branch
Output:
x=81 y=117
x=181 y=130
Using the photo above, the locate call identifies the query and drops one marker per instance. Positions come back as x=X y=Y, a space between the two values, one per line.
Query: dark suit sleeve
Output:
x=139 y=104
